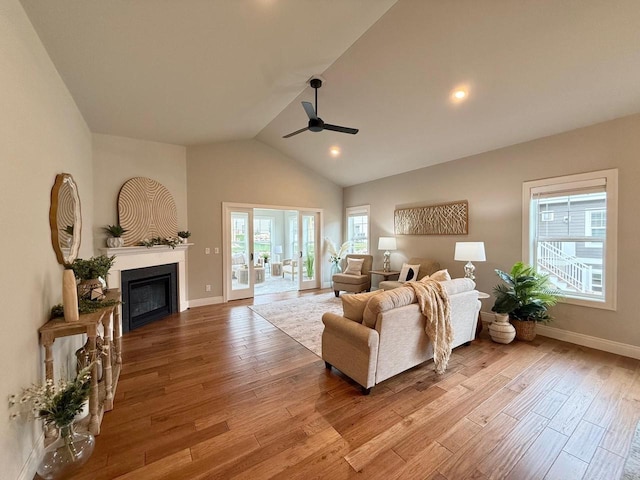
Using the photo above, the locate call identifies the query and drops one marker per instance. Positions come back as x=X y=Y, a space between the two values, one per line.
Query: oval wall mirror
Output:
x=65 y=219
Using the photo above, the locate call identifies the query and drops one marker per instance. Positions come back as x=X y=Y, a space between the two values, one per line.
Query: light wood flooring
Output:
x=218 y=392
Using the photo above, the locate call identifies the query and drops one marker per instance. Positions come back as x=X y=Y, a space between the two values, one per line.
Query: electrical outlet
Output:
x=207 y=288
x=207 y=251
x=216 y=250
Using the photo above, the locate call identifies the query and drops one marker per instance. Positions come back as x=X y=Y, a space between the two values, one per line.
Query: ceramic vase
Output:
x=70 y=296
x=66 y=454
x=501 y=331
x=115 y=242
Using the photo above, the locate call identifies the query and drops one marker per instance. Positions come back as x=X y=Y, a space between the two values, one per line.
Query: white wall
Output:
x=41 y=134
x=118 y=159
x=246 y=172
x=492 y=183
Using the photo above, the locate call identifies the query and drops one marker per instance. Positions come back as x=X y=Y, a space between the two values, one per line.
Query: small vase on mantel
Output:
x=115 y=242
x=501 y=331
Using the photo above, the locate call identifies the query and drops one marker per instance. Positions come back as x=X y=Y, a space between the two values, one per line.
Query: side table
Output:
x=481 y=296
x=385 y=275
x=276 y=269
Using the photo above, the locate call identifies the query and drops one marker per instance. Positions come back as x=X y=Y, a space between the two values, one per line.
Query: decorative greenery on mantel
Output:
x=168 y=241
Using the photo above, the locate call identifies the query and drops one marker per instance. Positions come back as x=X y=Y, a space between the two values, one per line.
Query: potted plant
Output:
x=525 y=296
x=184 y=236
x=116 y=232
x=89 y=272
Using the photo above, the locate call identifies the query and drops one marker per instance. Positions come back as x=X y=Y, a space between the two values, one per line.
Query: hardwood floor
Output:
x=218 y=392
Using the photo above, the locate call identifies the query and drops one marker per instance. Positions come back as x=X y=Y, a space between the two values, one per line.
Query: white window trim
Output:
x=611 y=244
x=359 y=210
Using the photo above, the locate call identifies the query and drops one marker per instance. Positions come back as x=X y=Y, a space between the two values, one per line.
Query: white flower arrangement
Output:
x=169 y=241
x=336 y=255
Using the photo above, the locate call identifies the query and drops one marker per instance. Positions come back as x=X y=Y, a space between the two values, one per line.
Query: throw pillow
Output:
x=353 y=304
x=408 y=273
x=354 y=266
x=439 y=276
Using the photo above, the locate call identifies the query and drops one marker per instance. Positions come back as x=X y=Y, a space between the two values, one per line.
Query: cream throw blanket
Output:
x=435 y=306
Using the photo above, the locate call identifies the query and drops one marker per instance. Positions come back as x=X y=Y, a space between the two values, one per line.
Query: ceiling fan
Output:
x=316 y=124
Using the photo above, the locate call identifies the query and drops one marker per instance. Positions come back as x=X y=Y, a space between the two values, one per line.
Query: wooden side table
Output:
x=385 y=275
x=276 y=269
x=102 y=393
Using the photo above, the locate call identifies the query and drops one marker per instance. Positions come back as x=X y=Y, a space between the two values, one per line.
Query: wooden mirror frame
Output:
x=58 y=199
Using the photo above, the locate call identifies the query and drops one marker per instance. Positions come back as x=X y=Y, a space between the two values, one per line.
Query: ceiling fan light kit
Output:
x=316 y=124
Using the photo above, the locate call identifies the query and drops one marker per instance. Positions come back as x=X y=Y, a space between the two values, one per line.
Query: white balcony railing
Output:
x=567 y=268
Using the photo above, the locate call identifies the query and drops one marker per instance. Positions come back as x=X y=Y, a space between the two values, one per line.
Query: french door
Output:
x=241 y=266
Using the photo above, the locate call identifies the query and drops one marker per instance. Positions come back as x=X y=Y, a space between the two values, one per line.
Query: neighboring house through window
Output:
x=570 y=233
x=358 y=228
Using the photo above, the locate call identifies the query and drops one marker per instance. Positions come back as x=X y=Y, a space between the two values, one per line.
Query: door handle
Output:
x=251 y=256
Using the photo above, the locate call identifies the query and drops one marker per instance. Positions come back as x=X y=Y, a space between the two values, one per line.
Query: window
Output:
x=358 y=228
x=262 y=232
x=570 y=233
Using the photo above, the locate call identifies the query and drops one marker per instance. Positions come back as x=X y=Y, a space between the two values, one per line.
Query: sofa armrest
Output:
x=350 y=347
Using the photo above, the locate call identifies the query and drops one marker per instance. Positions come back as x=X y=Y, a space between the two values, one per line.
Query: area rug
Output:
x=632 y=465
x=301 y=318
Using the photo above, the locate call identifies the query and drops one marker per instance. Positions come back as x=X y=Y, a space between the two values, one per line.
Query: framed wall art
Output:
x=443 y=219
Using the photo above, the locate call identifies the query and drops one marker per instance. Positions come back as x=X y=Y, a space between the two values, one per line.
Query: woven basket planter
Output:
x=525 y=330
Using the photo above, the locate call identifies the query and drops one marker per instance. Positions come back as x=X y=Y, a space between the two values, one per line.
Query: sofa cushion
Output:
x=439 y=276
x=350 y=279
x=353 y=304
x=398 y=297
x=458 y=285
x=408 y=272
x=390 y=284
x=354 y=266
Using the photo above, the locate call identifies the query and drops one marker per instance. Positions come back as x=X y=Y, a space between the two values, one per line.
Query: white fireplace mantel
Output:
x=129 y=258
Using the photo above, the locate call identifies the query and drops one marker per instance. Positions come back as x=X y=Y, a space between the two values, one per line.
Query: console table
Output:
x=102 y=392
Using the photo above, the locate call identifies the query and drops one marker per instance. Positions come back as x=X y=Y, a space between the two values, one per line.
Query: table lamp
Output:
x=277 y=250
x=468 y=252
x=386 y=244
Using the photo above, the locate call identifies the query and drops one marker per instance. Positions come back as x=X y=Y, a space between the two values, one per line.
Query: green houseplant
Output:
x=115 y=232
x=525 y=296
x=184 y=235
x=89 y=272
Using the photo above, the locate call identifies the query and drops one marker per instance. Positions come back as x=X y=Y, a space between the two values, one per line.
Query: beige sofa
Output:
x=395 y=340
x=353 y=283
x=427 y=267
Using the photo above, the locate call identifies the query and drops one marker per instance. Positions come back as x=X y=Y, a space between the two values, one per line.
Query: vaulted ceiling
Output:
x=199 y=71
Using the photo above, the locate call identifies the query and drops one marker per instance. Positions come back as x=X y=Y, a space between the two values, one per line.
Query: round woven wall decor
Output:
x=146 y=209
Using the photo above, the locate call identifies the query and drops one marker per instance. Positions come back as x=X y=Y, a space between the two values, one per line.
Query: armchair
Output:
x=353 y=283
x=289 y=266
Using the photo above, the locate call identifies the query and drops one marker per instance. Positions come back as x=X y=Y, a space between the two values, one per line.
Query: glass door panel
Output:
x=240 y=273
x=309 y=234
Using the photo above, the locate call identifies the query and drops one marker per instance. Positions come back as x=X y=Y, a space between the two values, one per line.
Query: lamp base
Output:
x=386 y=264
x=469 y=270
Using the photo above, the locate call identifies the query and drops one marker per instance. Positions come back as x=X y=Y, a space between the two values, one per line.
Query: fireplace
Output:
x=148 y=294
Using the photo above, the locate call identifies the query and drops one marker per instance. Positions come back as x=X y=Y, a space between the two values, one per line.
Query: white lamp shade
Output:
x=277 y=249
x=387 y=243
x=470 y=252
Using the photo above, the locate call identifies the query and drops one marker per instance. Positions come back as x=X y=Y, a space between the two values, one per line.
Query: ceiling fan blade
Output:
x=311 y=113
x=338 y=128
x=296 y=132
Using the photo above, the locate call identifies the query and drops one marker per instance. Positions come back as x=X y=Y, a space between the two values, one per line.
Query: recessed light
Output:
x=459 y=94
x=334 y=151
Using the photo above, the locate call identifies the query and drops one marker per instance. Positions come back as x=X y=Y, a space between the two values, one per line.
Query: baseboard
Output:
x=29 y=469
x=610 y=346
x=203 y=302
